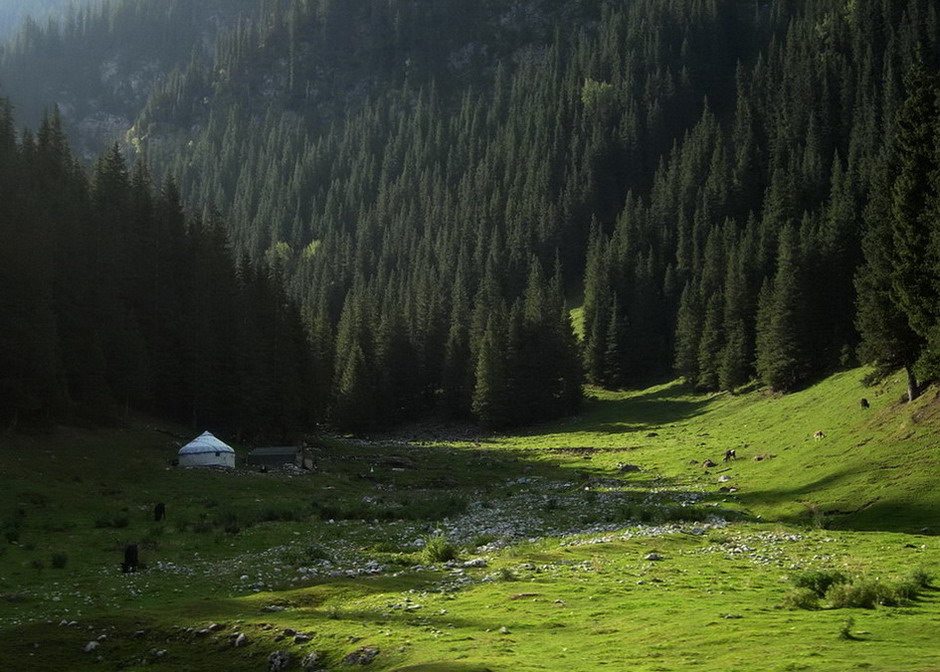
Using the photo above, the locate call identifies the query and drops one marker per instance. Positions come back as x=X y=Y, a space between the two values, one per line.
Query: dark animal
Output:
x=864 y=403
x=159 y=511
x=131 y=561
x=730 y=454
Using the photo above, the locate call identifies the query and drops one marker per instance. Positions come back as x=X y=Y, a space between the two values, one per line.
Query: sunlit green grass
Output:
x=861 y=500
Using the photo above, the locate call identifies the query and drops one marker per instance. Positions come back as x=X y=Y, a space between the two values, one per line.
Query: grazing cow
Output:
x=864 y=403
x=730 y=454
x=159 y=511
x=131 y=561
x=819 y=435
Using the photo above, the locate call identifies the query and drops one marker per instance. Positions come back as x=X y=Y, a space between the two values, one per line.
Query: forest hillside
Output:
x=731 y=191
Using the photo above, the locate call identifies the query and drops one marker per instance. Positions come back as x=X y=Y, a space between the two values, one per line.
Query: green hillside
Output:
x=551 y=539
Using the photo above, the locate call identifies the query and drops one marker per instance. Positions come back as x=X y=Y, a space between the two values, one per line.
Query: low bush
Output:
x=868 y=593
x=59 y=560
x=298 y=556
x=437 y=549
x=920 y=578
x=801 y=598
x=819 y=580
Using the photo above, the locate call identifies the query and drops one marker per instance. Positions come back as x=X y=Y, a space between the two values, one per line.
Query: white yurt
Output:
x=206 y=451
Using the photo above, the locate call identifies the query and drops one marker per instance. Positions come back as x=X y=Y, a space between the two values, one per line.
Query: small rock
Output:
x=278 y=661
x=302 y=639
x=90 y=646
x=215 y=627
x=290 y=632
x=653 y=557
x=732 y=616
x=475 y=562
x=504 y=630
x=241 y=640
x=708 y=464
x=362 y=656
x=724 y=479
x=311 y=662
x=272 y=607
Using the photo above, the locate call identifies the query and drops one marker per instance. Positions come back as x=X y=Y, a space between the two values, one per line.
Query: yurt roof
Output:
x=205 y=443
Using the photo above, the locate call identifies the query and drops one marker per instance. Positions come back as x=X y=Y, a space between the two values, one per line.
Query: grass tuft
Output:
x=437 y=549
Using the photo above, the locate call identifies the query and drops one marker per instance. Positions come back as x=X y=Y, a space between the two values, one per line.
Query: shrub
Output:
x=305 y=555
x=819 y=580
x=919 y=577
x=507 y=574
x=438 y=549
x=483 y=540
x=801 y=598
x=59 y=560
x=867 y=594
x=862 y=594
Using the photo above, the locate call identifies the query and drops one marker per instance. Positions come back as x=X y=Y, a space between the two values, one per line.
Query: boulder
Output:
x=278 y=661
x=312 y=662
x=362 y=656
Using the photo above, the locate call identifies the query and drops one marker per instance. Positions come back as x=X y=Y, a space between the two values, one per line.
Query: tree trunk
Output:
x=912 y=390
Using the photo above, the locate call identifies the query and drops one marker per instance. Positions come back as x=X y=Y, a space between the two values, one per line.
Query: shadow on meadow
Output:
x=643 y=412
x=875 y=513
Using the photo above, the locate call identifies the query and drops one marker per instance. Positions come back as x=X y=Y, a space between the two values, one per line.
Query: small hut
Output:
x=206 y=451
x=273 y=457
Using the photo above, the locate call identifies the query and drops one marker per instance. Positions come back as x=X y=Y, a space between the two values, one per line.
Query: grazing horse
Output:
x=131 y=561
x=730 y=454
x=819 y=435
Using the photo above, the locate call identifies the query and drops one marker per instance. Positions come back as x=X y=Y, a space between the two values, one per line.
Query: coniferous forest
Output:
x=399 y=202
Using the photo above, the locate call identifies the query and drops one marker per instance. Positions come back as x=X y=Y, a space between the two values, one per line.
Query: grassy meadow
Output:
x=539 y=550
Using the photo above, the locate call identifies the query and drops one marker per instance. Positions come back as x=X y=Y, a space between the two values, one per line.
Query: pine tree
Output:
x=490 y=389
x=782 y=351
x=688 y=334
